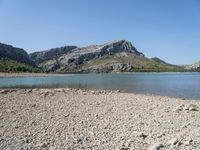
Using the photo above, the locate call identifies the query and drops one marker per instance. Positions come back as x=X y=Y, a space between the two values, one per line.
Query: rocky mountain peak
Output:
x=121 y=46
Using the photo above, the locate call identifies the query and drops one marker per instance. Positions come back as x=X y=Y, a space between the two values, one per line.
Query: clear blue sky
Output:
x=169 y=29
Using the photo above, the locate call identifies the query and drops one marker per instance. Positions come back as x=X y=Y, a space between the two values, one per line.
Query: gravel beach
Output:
x=72 y=119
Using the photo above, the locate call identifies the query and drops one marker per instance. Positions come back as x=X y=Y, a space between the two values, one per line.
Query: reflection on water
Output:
x=185 y=85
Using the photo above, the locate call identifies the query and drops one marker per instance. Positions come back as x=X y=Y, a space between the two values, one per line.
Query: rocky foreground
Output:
x=100 y=120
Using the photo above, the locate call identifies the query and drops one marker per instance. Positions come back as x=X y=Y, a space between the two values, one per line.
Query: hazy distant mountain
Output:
x=193 y=66
x=113 y=56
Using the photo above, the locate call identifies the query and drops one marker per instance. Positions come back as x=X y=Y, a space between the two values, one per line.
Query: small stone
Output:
x=8 y=111
x=93 y=92
x=178 y=143
x=34 y=105
x=173 y=141
x=84 y=93
x=180 y=108
x=43 y=145
x=124 y=148
x=52 y=148
x=188 y=142
x=156 y=146
x=142 y=135
x=27 y=141
x=29 y=91
x=192 y=107
x=117 y=91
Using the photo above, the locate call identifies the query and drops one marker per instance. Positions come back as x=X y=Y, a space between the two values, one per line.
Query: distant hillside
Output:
x=193 y=67
x=8 y=65
x=116 y=56
x=156 y=59
x=14 y=53
x=14 y=59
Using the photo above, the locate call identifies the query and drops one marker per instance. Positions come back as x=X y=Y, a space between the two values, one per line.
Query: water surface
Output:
x=183 y=85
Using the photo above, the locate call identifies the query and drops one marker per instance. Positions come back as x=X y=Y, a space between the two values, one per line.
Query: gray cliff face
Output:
x=14 y=53
x=71 y=59
x=53 y=53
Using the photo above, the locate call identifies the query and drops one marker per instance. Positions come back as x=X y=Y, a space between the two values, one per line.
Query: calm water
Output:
x=184 y=85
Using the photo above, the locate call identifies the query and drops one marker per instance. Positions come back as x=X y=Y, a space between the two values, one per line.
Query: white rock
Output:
x=156 y=146
x=188 y=142
x=173 y=141
x=192 y=107
x=180 y=108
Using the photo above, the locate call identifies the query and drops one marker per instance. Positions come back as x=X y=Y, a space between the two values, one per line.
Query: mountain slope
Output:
x=53 y=53
x=113 y=56
x=193 y=67
x=14 y=59
x=9 y=65
x=128 y=62
x=158 y=60
x=14 y=53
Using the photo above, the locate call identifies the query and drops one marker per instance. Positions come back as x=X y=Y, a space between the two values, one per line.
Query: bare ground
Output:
x=99 y=120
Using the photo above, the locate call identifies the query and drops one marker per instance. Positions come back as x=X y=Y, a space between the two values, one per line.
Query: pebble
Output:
x=124 y=148
x=180 y=108
x=188 y=142
x=173 y=141
x=192 y=107
x=142 y=135
x=8 y=111
x=156 y=146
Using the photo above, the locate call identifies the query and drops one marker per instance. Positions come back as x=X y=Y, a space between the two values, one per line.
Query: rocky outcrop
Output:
x=72 y=59
x=13 y=53
x=110 y=67
x=193 y=66
x=53 y=53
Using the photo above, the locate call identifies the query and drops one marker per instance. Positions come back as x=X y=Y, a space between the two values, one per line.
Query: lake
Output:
x=182 y=85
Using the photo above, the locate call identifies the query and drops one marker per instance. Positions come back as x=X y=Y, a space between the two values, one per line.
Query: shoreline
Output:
x=99 y=91
x=67 y=118
x=10 y=75
x=22 y=74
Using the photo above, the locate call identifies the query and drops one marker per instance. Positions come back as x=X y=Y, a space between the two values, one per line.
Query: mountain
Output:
x=53 y=53
x=195 y=66
x=14 y=59
x=158 y=60
x=13 y=53
x=115 y=56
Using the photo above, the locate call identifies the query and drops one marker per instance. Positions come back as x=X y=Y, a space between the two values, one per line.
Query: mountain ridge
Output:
x=114 y=56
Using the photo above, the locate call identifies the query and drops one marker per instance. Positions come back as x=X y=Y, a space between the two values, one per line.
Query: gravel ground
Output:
x=70 y=119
